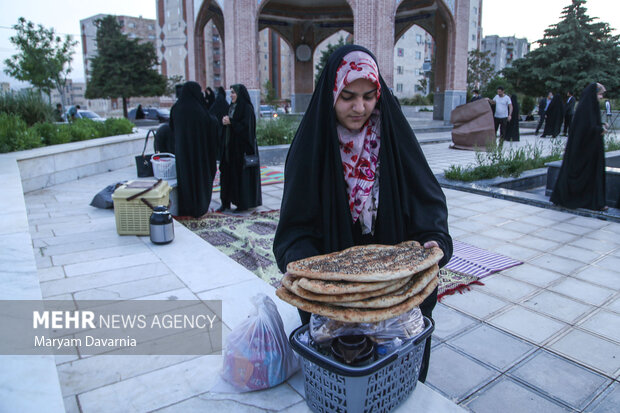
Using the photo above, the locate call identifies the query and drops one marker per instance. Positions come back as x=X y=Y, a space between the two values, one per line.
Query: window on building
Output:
x=151 y=37
x=400 y=52
x=399 y=70
x=132 y=25
x=418 y=38
x=473 y=37
x=418 y=55
x=151 y=27
x=132 y=35
x=399 y=87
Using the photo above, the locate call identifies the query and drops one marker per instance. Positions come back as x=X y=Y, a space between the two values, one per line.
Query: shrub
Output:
x=29 y=106
x=83 y=129
x=498 y=162
x=527 y=105
x=15 y=135
x=611 y=143
x=116 y=126
x=417 y=100
x=52 y=133
x=279 y=131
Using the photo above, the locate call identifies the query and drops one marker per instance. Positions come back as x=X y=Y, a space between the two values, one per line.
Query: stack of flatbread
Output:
x=363 y=284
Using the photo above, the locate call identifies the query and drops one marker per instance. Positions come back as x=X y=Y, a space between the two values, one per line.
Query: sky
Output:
x=522 y=18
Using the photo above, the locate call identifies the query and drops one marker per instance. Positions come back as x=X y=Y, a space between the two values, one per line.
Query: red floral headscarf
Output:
x=359 y=150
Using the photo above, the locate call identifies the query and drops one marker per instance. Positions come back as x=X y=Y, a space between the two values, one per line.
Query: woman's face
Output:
x=356 y=103
x=600 y=91
x=233 y=96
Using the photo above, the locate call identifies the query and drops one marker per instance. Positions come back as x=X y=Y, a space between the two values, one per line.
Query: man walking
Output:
x=569 y=111
x=543 y=104
x=503 y=111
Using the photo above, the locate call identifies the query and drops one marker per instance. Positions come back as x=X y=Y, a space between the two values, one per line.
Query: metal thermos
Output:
x=162 y=228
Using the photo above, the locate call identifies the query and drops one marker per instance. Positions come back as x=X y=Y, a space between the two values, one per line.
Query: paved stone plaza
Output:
x=543 y=336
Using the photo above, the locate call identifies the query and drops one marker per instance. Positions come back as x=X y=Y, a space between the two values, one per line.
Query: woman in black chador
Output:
x=355 y=173
x=512 y=129
x=581 y=182
x=209 y=97
x=240 y=185
x=219 y=109
x=194 y=133
x=554 y=117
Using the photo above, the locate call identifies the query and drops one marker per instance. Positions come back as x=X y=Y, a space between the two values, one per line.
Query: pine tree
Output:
x=325 y=57
x=123 y=67
x=572 y=54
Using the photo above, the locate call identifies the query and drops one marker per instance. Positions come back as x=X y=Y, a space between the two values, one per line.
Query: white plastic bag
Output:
x=405 y=326
x=258 y=354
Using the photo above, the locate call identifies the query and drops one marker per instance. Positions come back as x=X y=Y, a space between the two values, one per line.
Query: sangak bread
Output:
x=367 y=263
x=292 y=285
x=342 y=287
x=356 y=315
x=411 y=288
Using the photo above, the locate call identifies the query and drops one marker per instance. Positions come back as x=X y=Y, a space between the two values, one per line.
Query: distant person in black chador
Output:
x=512 y=129
x=240 y=185
x=569 y=111
x=543 y=103
x=219 y=109
x=554 y=116
x=209 y=97
x=194 y=133
x=581 y=182
x=140 y=112
x=476 y=95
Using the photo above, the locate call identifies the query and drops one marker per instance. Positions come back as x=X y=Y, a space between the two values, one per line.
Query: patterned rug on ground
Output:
x=267 y=177
x=249 y=240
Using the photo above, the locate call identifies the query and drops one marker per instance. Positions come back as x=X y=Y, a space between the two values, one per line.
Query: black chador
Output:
x=219 y=109
x=581 y=182
x=315 y=217
x=512 y=129
x=195 y=134
x=554 y=117
x=240 y=185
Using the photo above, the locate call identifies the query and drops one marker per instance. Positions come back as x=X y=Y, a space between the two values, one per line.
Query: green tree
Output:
x=325 y=56
x=123 y=67
x=479 y=69
x=171 y=84
x=44 y=59
x=269 y=93
x=573 y=53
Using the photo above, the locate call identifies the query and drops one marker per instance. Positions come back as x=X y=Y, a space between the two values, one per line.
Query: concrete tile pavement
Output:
x=556 y=312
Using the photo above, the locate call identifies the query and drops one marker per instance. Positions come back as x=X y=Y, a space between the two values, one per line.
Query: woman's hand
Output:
x=431 y=244
x=226 y=120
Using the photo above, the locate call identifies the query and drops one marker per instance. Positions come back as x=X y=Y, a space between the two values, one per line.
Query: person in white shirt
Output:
x=503 y=111
x=608 y=111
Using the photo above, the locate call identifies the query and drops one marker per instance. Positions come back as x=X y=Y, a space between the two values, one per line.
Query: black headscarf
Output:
x=581 y=182
x=209 y=97
x=554 y=117
x=315 y=216
x=512 y=129
x=194 y=132
x=240 y=185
